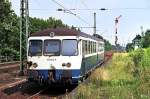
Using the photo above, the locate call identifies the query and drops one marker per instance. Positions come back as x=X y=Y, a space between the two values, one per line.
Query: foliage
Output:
x=145 y=62
x=117 y=80
x=129 y=47
x=146 y=39
x=107 y=46
x=9 y=28
x=137 y=56
x=37 y=24
x=11 y=53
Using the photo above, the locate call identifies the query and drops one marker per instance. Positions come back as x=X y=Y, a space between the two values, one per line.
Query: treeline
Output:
x=9 y=28
x=141 y=41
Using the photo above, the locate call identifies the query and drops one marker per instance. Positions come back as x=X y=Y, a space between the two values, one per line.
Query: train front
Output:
x=54 y=60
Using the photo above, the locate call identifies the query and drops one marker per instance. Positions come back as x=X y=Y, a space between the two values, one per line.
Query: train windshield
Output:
x=69 y=47
x=35 y=48
x=52 y=47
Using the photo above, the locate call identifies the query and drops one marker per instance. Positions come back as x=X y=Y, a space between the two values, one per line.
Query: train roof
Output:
x=63 y=32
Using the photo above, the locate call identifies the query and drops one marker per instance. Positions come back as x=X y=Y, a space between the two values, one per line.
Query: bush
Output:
x=10 y=53
x=145 y=62
x=137 y=56
x=116 y=81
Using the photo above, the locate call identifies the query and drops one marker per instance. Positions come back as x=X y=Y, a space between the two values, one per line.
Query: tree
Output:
x=129 y=47
x=37 y=24
x=146 y=39
x=9 y=28
x=107 y=45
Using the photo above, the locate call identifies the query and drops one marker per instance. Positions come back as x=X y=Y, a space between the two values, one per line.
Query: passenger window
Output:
x=69 y=48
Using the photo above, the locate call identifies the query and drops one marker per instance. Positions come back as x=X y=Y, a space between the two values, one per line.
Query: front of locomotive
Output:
x=54 y=59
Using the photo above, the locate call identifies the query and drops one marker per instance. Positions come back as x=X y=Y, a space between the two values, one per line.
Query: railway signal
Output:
x=116 y=28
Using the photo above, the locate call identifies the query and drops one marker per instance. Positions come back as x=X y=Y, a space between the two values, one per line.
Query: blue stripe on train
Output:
x=75 y=74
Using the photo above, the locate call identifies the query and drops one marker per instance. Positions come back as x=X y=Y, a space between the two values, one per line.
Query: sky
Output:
x=135 y=13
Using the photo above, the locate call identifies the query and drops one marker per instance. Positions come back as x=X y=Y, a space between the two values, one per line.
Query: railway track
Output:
x=37 y=94
x=12 y=84
x=9 y=63
x=28 y=90
x=9 y=67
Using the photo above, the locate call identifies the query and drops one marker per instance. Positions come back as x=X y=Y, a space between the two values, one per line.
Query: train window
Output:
x=102 y=48
x=52 y=47
x=92 y=47
x=95 y=47
x=89 y=43
x=35 y=47
x=99 y=47
x=83 y=47
x=86 y=47
x=69 y=47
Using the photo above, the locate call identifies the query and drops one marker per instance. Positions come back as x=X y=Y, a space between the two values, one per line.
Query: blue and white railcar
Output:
x=62 y=55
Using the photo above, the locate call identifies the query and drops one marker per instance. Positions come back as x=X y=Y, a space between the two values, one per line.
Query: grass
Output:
x=117 y=80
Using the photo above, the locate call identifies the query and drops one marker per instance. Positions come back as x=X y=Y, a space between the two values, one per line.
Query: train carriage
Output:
x=62 y=55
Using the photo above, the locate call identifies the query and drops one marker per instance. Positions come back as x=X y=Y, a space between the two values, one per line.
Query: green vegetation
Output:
x=9 y=29
x=107 y=46
x=140 y=41
x=126 y=76
x=129 y=47
x=146 y=39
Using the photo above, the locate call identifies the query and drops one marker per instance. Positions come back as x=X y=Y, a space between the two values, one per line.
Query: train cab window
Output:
x=69 y=47
x=52 y=47
x=35 y=47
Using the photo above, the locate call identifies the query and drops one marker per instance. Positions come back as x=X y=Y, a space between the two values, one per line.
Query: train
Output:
x=61 y=55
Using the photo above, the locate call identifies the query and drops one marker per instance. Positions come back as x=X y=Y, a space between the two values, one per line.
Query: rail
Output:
x=12 y=84
x=38 y=93
x=9 y=63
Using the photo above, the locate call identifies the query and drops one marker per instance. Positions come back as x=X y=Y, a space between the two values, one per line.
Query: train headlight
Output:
x=68 y=65
x=34 y=65
x=29 y=64
x=63 y=64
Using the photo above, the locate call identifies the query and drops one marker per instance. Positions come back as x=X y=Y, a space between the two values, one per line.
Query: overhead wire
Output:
x=96 y=9
x=69 y=11
x=101 y=9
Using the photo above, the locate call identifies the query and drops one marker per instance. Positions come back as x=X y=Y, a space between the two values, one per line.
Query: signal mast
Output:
x=116 y=28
